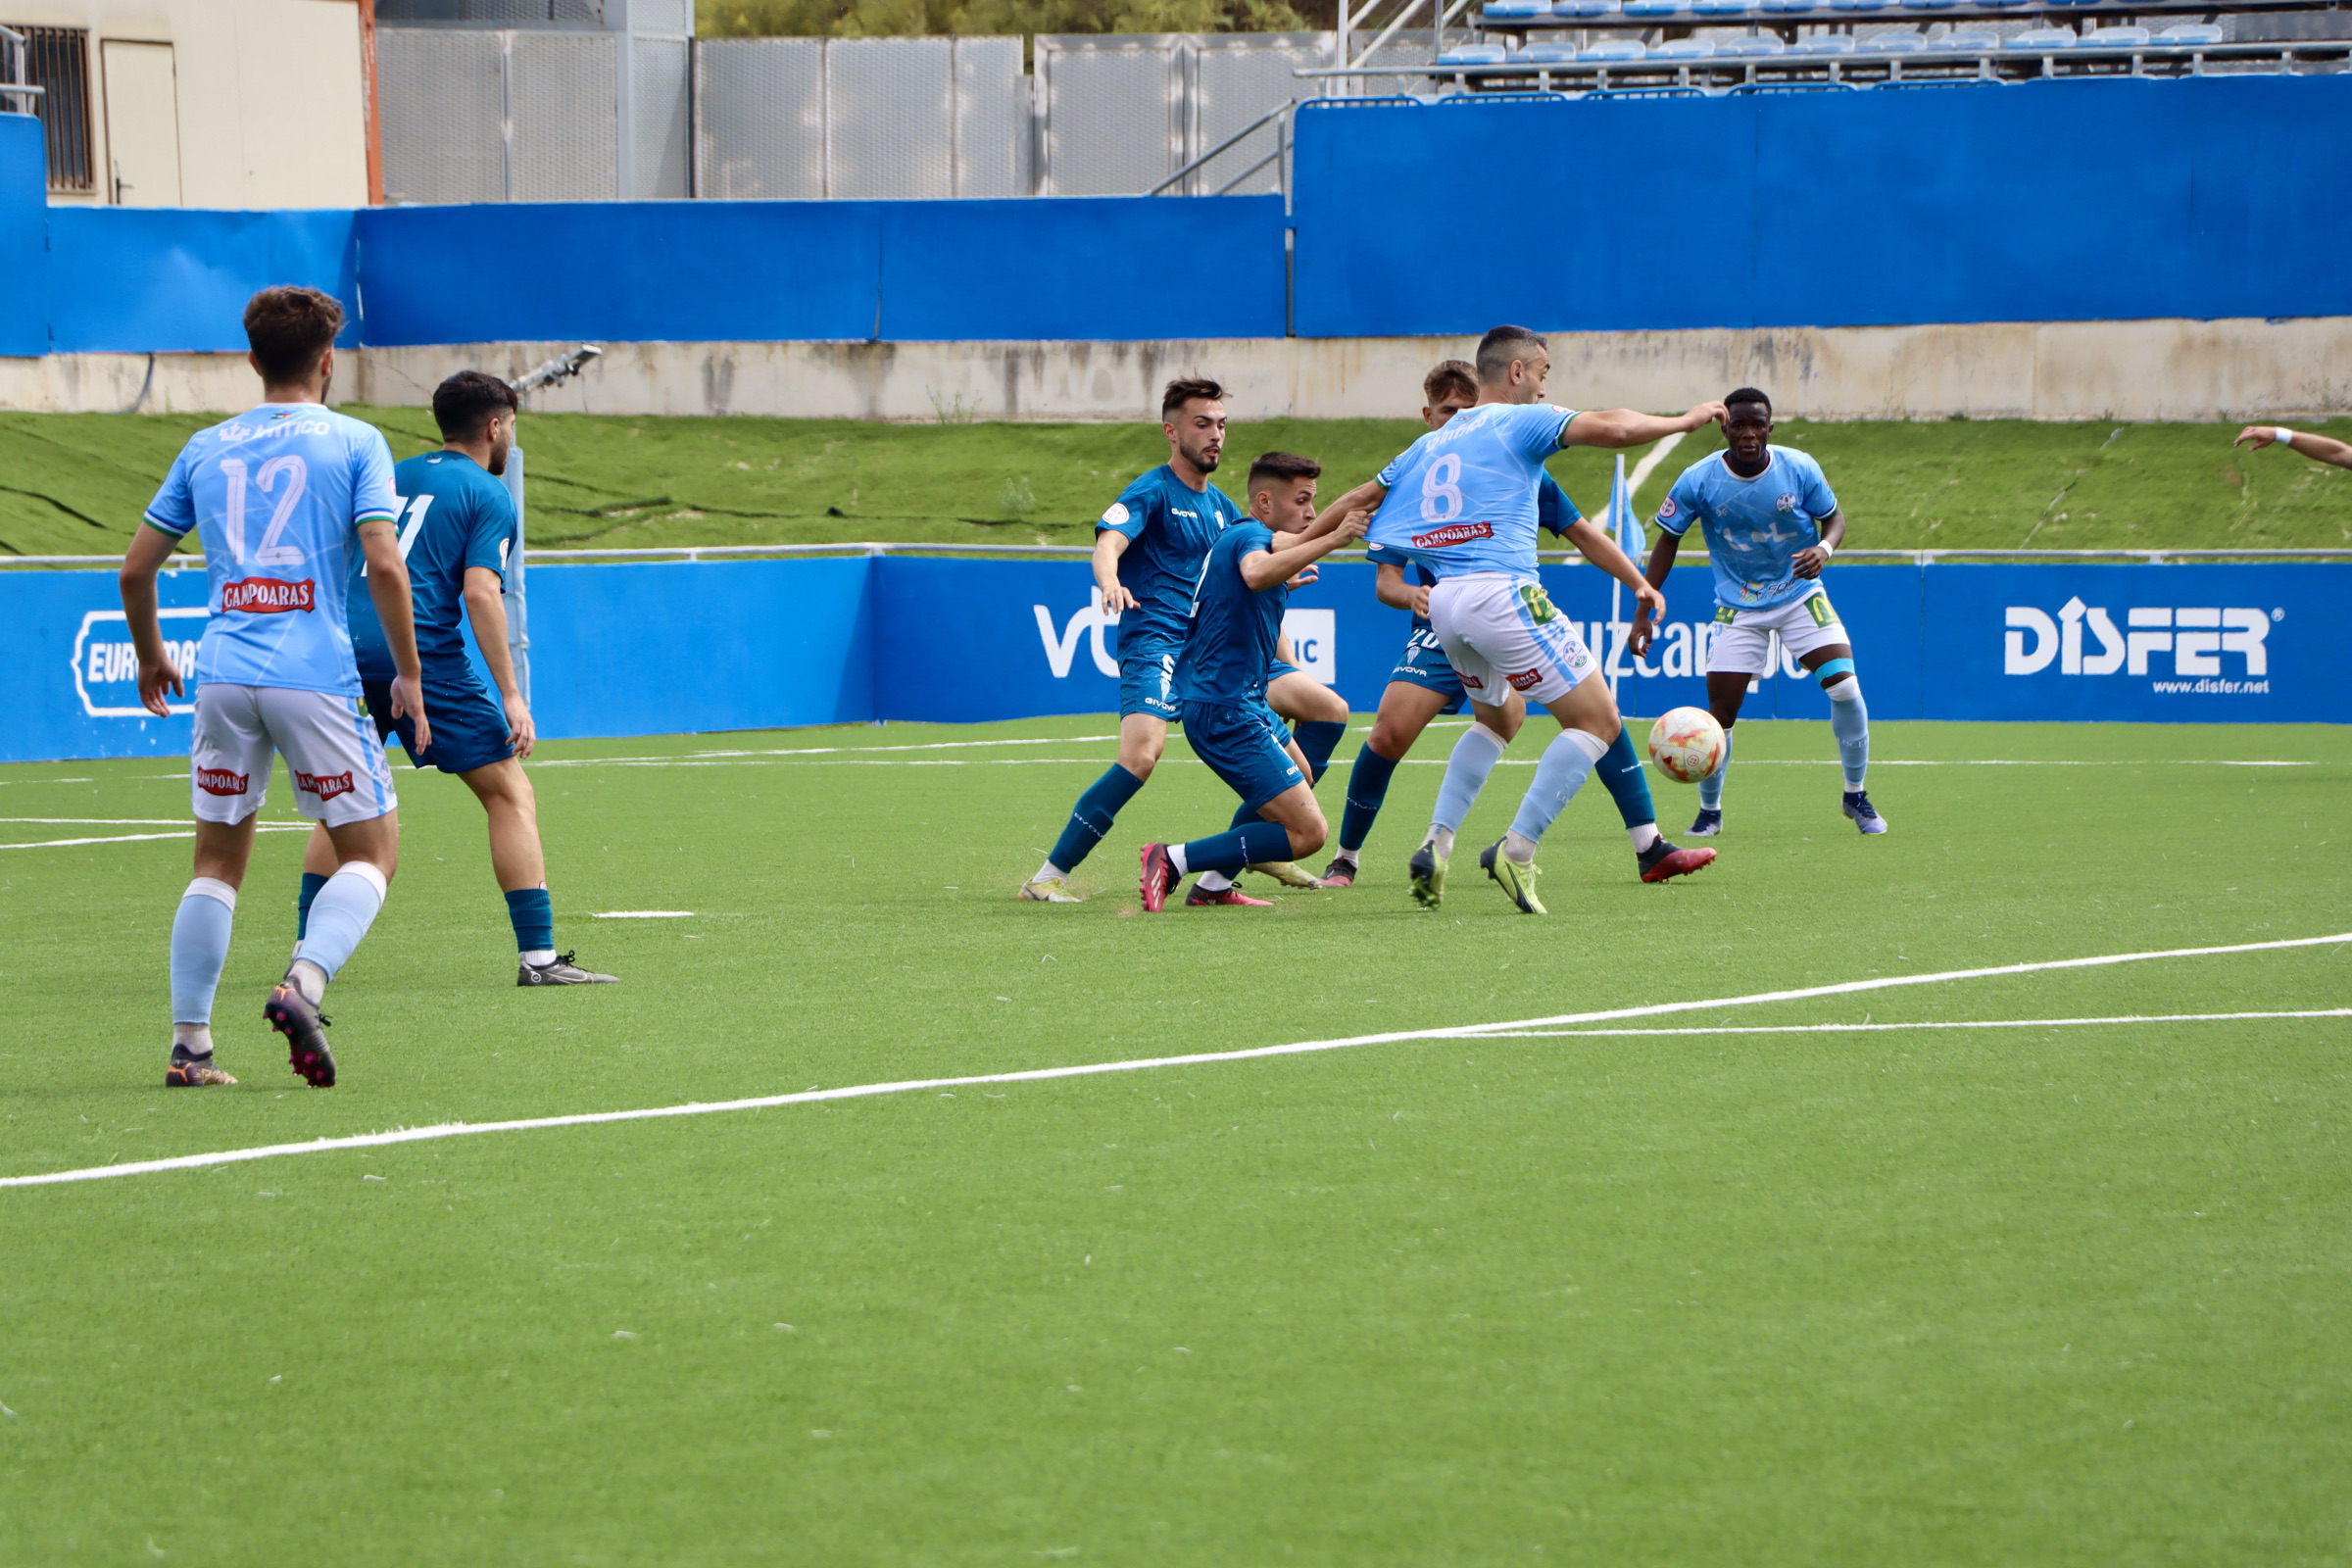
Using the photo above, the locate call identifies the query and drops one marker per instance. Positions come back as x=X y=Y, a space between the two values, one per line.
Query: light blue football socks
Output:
x=1473 y=757
x=1850 y=722
x=199 y=951
x=339 y=917
x=1565 y=764
x=1710 y=787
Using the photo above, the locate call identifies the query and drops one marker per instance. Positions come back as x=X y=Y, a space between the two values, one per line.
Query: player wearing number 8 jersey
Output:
x=282 y=497
x=1460 y=503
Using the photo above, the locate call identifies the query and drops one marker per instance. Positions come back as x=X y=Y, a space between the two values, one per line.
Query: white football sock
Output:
x=1049 y=872
x=195 y=1038
x=1440 y=839
x=1215 y=881
x=1176 y=858
x=1517 y=846
x=540 y=958
x=1643 y=836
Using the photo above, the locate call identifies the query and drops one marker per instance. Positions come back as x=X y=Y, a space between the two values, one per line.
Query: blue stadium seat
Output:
x=1824 y=43
x=1893 y=43
x=2040 y=38
x=1789 y=7
x=2190 y=32
x=1515 y=10
x=1653 y=8
x=1723 y=8
x=1966 y=41
x=1546 y=54
x=1616 y=51
x=2114 y=38
x=1750 y=48
x=1474 y=54
x=1584 y=8
x=1928 y=5
x=1684 y=49
x=1857 y=5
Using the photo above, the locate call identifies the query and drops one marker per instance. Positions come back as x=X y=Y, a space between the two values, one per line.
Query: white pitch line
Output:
x=819 y=751
x=419 y=1135
x=134 y=838
x=125 y=822
x=1875 y=1028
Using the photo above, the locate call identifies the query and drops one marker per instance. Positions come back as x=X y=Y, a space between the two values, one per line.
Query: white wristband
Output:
x=2282 y=435
x=1825 y=547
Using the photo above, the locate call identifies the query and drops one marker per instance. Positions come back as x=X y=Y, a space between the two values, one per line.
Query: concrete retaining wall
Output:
x=2160 y=369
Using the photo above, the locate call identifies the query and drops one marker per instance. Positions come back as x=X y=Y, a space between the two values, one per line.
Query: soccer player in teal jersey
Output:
x=1236 y=619
x=456 y=530
x=1461 y=503
x=1423 y=685
x=1771 y=523
x=283 y=496
x=1149 y=547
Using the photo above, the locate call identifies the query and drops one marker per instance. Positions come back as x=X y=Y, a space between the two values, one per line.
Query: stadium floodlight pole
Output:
x=562 y=367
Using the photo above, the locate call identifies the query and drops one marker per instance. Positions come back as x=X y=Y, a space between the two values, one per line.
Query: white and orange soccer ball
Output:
x=1687 y=744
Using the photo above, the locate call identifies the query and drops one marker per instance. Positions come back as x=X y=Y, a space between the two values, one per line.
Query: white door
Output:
x=142 y=123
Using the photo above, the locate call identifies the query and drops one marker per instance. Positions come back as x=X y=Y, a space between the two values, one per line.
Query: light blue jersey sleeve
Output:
x=373 y=492
x=173 y=508
x=1813 y=494
x=1682 y=503
x=1535 y=429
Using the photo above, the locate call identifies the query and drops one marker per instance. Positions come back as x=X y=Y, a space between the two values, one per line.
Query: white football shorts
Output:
x=1501 y=634
x=1741 y=635
x=331 y=747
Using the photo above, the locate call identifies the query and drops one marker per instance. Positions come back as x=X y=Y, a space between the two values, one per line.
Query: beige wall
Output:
x=272 y=99
x=2072 y=371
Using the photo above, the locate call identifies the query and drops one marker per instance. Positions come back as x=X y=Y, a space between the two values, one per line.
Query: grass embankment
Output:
x=76 y=483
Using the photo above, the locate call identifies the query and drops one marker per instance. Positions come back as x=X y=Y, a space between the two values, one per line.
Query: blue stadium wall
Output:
x=2200 y=198
x=711 y=647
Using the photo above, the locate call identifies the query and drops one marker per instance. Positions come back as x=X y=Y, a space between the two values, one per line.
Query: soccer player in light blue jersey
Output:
x=1423 y=685
x=1771 y=523
x=1461 y=503
x=283 y=497
x=1235 y=621
x=456 y=530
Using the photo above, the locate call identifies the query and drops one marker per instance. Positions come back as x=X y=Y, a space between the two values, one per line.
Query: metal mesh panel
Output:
x=561 y=95
x=991 y=118
x=1239 y=76
x=661 y=16
x=664 y=112
x=1114 y=111
x=1410 y=47
x=522 y=12
x=759 y=117
x=442 y=103
x=890 y=106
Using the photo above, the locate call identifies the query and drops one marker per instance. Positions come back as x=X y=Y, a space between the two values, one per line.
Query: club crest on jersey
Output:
x=1117 y=516
x=1454 y=533
x=1667 y=508
x=220 y=781
x=1785 y=504
x=267 y=596
x=326 y=786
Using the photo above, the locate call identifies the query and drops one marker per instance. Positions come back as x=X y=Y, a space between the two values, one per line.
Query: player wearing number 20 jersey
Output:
x=275 y=495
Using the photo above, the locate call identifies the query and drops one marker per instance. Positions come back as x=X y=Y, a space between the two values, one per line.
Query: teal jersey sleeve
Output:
x=1131 y=514
x=1554 y=511
x=490 y=534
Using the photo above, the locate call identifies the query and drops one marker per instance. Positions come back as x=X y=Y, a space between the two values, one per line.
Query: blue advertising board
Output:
x=697 y=648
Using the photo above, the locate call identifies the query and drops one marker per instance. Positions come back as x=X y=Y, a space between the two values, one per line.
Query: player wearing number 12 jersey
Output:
x=1461 y=503
x=457 y=530
x=283 y=497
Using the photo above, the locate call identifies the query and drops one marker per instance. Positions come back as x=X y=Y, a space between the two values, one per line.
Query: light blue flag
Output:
x=1623 y=525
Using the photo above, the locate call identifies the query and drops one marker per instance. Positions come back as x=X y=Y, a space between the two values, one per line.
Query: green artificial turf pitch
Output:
x=2052 y=1296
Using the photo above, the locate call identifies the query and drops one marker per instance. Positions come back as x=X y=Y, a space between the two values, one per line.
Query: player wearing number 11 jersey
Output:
x=283 y=497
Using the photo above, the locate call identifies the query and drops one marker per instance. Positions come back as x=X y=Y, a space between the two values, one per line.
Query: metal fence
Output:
x=572 y=114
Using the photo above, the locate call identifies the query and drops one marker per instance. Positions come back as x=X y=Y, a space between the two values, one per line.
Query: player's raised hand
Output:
x=155 y=677
x=408 y=701
x=1355 y=525
x=1306 y=574
x=2254 y=437
x=1639 y=638
x=1705 y=413
x=521 y=733
x=1647 y=600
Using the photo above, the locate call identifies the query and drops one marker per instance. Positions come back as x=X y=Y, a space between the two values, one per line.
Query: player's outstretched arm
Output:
x=1593 y=543
x=486 y=608
x=1627 y=427
x=1364 y=498
x=149 y=549
x=388 y=586
x=1109 y=546
x=1292 y=553
x=1661 y=562
x=2318 y=448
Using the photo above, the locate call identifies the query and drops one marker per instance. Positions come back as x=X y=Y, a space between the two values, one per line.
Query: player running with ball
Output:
x=1461 y=503
x=282 y=496
x=1771 y=524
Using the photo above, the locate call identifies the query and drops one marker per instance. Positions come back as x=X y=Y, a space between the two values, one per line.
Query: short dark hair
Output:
x=1183 y=389
x=1500 y=346
x=1748 y=394
x=1279 y=466
x=469 y=400
x=1450 y=377
x=290 y=329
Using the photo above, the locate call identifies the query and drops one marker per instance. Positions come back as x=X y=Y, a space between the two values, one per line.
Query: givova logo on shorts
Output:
x=2203 y=646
